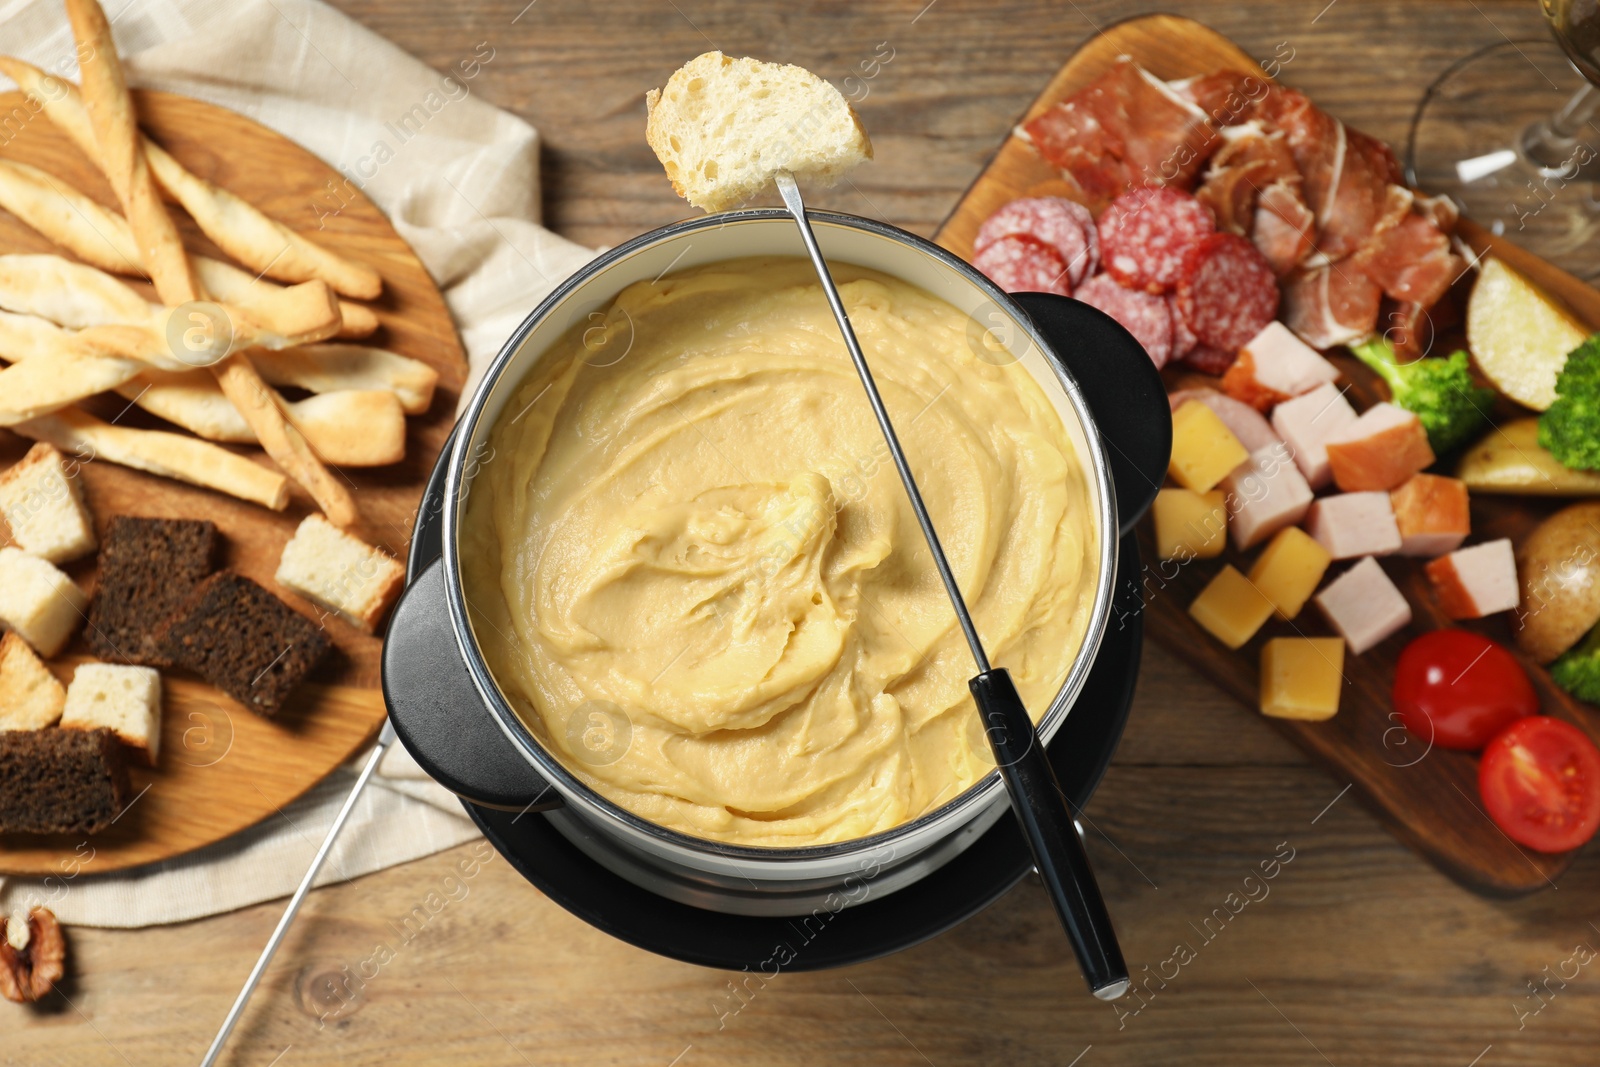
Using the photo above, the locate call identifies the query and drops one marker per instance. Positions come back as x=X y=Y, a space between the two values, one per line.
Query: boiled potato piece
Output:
x=1559 y=568
x=1519 y=337
x=1508 y=460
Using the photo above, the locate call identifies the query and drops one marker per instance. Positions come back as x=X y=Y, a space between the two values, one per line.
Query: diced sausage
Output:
x=1380 y=450
x=1432 y=514
x=1354 y=524
x=1265 y=494
x=1275 y=365
x=1477 y=581
x=1364 y=605
x=1306 y=422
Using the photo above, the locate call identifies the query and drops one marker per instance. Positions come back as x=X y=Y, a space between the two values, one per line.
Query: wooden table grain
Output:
x=1357 y=953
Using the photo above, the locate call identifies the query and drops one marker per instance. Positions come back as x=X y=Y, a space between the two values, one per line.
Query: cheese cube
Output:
x=1473 y=582
x=30 y=696
x=124 y=700
x=44 y=507
x=1289 y=569
x=1354 y=524
x=1364 y=605
x=38 y=601
x=1301 y=677
x=1432 y=514
x=1306 y=422
x=1204 y=450
x=1231 y=608
x=1190 y=525
x=1265 y=495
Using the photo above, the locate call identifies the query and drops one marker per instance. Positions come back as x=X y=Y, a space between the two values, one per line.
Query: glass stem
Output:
x=1555 y=144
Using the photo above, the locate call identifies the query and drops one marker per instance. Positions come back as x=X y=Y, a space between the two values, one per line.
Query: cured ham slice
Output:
x=1331 y=305
x=1284 y=230
x=1228 y=97
x=1357 y=197
x=1126 y=129
x=1411 y=261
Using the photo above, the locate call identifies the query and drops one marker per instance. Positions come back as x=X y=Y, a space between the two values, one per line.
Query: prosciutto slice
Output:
x=1126 y=129
x=1329 y=305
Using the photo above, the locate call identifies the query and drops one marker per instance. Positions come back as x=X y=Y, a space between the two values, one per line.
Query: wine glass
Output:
x=1512 y=134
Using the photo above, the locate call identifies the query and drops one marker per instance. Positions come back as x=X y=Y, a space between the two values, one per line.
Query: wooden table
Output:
x=1361 y=954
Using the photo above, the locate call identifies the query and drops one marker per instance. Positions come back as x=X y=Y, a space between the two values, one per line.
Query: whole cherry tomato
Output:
x=1456 y=689
x=1540 y=783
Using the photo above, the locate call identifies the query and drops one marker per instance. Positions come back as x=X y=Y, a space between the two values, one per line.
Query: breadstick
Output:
x=260 y=243
x=102 y=238
x=170 y=455
x=116 y=139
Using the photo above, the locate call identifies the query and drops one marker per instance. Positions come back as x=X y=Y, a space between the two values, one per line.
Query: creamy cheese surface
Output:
x=693 y=570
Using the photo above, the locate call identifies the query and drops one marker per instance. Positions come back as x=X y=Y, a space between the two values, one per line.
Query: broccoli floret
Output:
x=1452 y=406
x=1570 y=430
x=1578 y=669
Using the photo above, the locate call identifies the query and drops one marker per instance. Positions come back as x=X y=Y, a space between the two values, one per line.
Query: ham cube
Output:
x=1473 y=582
x=1431 y=512
x=1275 y=365
x=1354 y=524
x=1364 y=605
x=1378 y=451
x=1306 y=422
x=1265 y=493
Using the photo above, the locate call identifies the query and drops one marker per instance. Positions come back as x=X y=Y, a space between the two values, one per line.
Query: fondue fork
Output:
x=1036 y=797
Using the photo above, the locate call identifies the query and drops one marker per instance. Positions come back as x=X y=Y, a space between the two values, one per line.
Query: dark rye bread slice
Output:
x=56 y=781
x=243 y=640
x=147 y=568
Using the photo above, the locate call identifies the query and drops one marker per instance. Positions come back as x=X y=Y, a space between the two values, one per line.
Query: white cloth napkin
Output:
x=462 y=187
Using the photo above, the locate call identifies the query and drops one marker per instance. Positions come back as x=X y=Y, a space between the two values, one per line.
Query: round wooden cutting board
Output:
x=224 y=768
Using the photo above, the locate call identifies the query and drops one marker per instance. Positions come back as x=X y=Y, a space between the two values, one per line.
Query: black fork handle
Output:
x=1048 y=824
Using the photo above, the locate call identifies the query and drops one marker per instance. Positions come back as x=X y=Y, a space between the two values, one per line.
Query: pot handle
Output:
x=439 y=713
x=1122 y=388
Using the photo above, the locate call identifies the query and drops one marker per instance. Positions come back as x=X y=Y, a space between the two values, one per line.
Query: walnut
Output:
x=33 y=956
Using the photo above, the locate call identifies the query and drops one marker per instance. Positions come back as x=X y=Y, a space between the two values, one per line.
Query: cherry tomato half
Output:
x=1540 y=782
x=1456 y=689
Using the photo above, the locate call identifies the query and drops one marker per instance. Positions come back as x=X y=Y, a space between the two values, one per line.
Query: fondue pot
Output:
x=452 y=716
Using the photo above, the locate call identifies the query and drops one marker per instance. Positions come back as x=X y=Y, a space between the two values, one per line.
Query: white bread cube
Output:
x=125 y=700
x=342 y=573
x=1364 y=605
x=30 y=696
x=723 y=127
x=38 y=601
x=44 y=507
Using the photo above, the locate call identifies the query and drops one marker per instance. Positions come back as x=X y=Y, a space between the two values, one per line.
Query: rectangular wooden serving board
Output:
x=1427 y=796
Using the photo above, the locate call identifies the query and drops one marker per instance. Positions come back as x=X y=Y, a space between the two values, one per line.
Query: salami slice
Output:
x=1208 y=360
x=1228 y=292
x=1183 y=338
x=1141 y=314
x=1018 y=263
x=1146 y=233
x=1063 y=224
